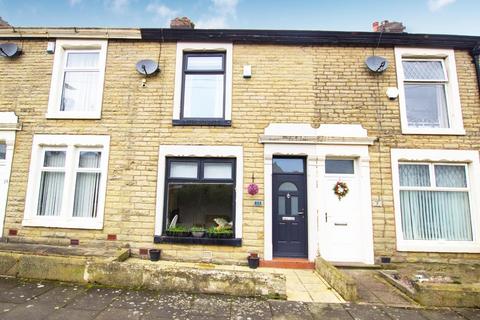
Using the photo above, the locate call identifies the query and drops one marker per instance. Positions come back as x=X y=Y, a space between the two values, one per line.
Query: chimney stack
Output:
x=388 y=26
x=4 y=24
x=182 y=23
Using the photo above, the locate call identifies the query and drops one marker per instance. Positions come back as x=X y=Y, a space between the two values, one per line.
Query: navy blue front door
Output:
x=289 y=211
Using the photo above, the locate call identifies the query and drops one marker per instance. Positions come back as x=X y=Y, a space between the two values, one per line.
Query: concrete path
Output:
x=373 y=289
x=50 y=300
x=307 y=286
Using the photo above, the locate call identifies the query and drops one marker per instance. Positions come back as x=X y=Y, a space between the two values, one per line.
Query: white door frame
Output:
x=316 y=145
x=8 y=127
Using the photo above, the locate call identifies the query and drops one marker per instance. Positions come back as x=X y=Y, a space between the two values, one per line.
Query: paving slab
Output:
x=441 y=314
x=251 y=309
x=24 y=291
x=403 y=313
x=366 y=312
x=94 y=299
x=72 y=314
x=118 y=313
x=471 y=314
x=328 y=311
x=290 y=310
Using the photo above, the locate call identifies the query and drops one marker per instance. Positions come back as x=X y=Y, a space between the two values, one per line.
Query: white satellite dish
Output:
x=376 y=63
x=9 y=50
x=147 y=67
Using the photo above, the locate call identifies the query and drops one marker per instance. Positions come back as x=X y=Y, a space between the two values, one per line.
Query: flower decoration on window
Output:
x=340 y=189
x=252 y=188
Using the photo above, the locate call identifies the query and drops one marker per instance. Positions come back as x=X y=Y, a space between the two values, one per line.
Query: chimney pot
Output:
x=388 y=26
x=182 y=23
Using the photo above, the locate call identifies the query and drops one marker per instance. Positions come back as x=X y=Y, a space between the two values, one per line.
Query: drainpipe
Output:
x=476 y=60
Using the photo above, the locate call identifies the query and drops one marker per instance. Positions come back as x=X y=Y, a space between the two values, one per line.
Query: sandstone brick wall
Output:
x=289 y=84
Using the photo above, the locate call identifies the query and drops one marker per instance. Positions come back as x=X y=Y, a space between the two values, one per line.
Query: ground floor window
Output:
x=435 y=207
x=434 y=201
x=67 y=181
x=200 y=196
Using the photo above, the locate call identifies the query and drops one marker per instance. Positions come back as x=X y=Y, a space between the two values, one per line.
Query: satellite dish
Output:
x=147 y=67
x=376 y=63
x=9 y=50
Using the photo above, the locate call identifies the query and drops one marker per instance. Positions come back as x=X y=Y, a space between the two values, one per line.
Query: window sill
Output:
x=450 y=131
x=68 y=115
x=202 y=122
x=234 y=242
x=80 y=223
x=438 y=246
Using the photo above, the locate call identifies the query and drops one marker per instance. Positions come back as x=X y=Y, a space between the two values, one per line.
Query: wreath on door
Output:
x=340 y=189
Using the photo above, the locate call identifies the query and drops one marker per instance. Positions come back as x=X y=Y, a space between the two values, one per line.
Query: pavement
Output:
x=52 y=300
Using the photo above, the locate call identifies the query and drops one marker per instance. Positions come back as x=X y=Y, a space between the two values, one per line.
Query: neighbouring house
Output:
x=94 y=153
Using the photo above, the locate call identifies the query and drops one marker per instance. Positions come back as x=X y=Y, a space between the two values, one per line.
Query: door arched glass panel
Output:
x=287 y=187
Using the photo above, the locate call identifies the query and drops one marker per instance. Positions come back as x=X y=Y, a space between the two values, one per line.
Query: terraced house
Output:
x=352 y=164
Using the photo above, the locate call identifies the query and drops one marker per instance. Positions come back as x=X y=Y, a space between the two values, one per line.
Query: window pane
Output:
x=199 y=204
x=89 y=159
x=414 y=175
x=183 y=170
x=286 y=165
x=54 y=159
x=287 y=186
x=426 y=105
x=3 y=151
x=80 y=91
x=204 y=63
x=339 y=166
x=50 y=193
x=281 y=205
x=86 y=194
x=294 y=205
x=82 y=60
x=450 y=176
x=434 y=215
x=203 y=96
x=423 y=70
x=215 y=170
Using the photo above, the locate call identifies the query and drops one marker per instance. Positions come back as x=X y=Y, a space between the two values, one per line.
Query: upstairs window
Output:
x=429 y=96
x=203 y=94
x=77 y=79
x=203 y=84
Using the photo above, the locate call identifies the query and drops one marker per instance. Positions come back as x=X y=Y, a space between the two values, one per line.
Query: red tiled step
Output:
x=287 y=263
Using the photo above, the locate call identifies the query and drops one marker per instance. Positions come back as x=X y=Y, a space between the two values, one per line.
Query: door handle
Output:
x=326 y=217
x=300 y=213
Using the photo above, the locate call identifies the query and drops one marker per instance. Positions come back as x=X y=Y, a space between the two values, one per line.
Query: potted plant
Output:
x=178 y=231
x=253 y=260
x=224 y=232
x=197 y=232
x=154 y=254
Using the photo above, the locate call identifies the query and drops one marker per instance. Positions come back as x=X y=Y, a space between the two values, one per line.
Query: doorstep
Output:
x=287 y=263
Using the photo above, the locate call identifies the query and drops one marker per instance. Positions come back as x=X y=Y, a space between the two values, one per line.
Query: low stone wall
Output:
x=137 y=273
x=440 y=294
x=341 y=282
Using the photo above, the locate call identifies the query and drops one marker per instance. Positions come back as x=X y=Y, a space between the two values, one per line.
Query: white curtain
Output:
x=87 y=186
x=80 y=87
x=51 y=185
x=435 y=215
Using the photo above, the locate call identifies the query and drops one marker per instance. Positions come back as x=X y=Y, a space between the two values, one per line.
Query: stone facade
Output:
x=294 y=84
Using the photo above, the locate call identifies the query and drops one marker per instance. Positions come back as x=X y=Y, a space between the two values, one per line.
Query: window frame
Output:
x=204 y=151
x=199 y=180
x=437 y=157
x=73 y=145
x=186 y=72
x=452 y=94
x=62 y=49
x=185 y=50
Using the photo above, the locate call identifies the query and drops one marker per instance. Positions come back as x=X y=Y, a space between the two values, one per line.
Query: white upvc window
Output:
x=429 y=95
x=203 y=84
x=67 y=181
x=78 y=76
x=435 y=205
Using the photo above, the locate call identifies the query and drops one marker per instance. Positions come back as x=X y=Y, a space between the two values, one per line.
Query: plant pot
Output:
x=154 y=254
x=253 y=263
x=253 y=255
x=198 y=234
x=178 y=233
